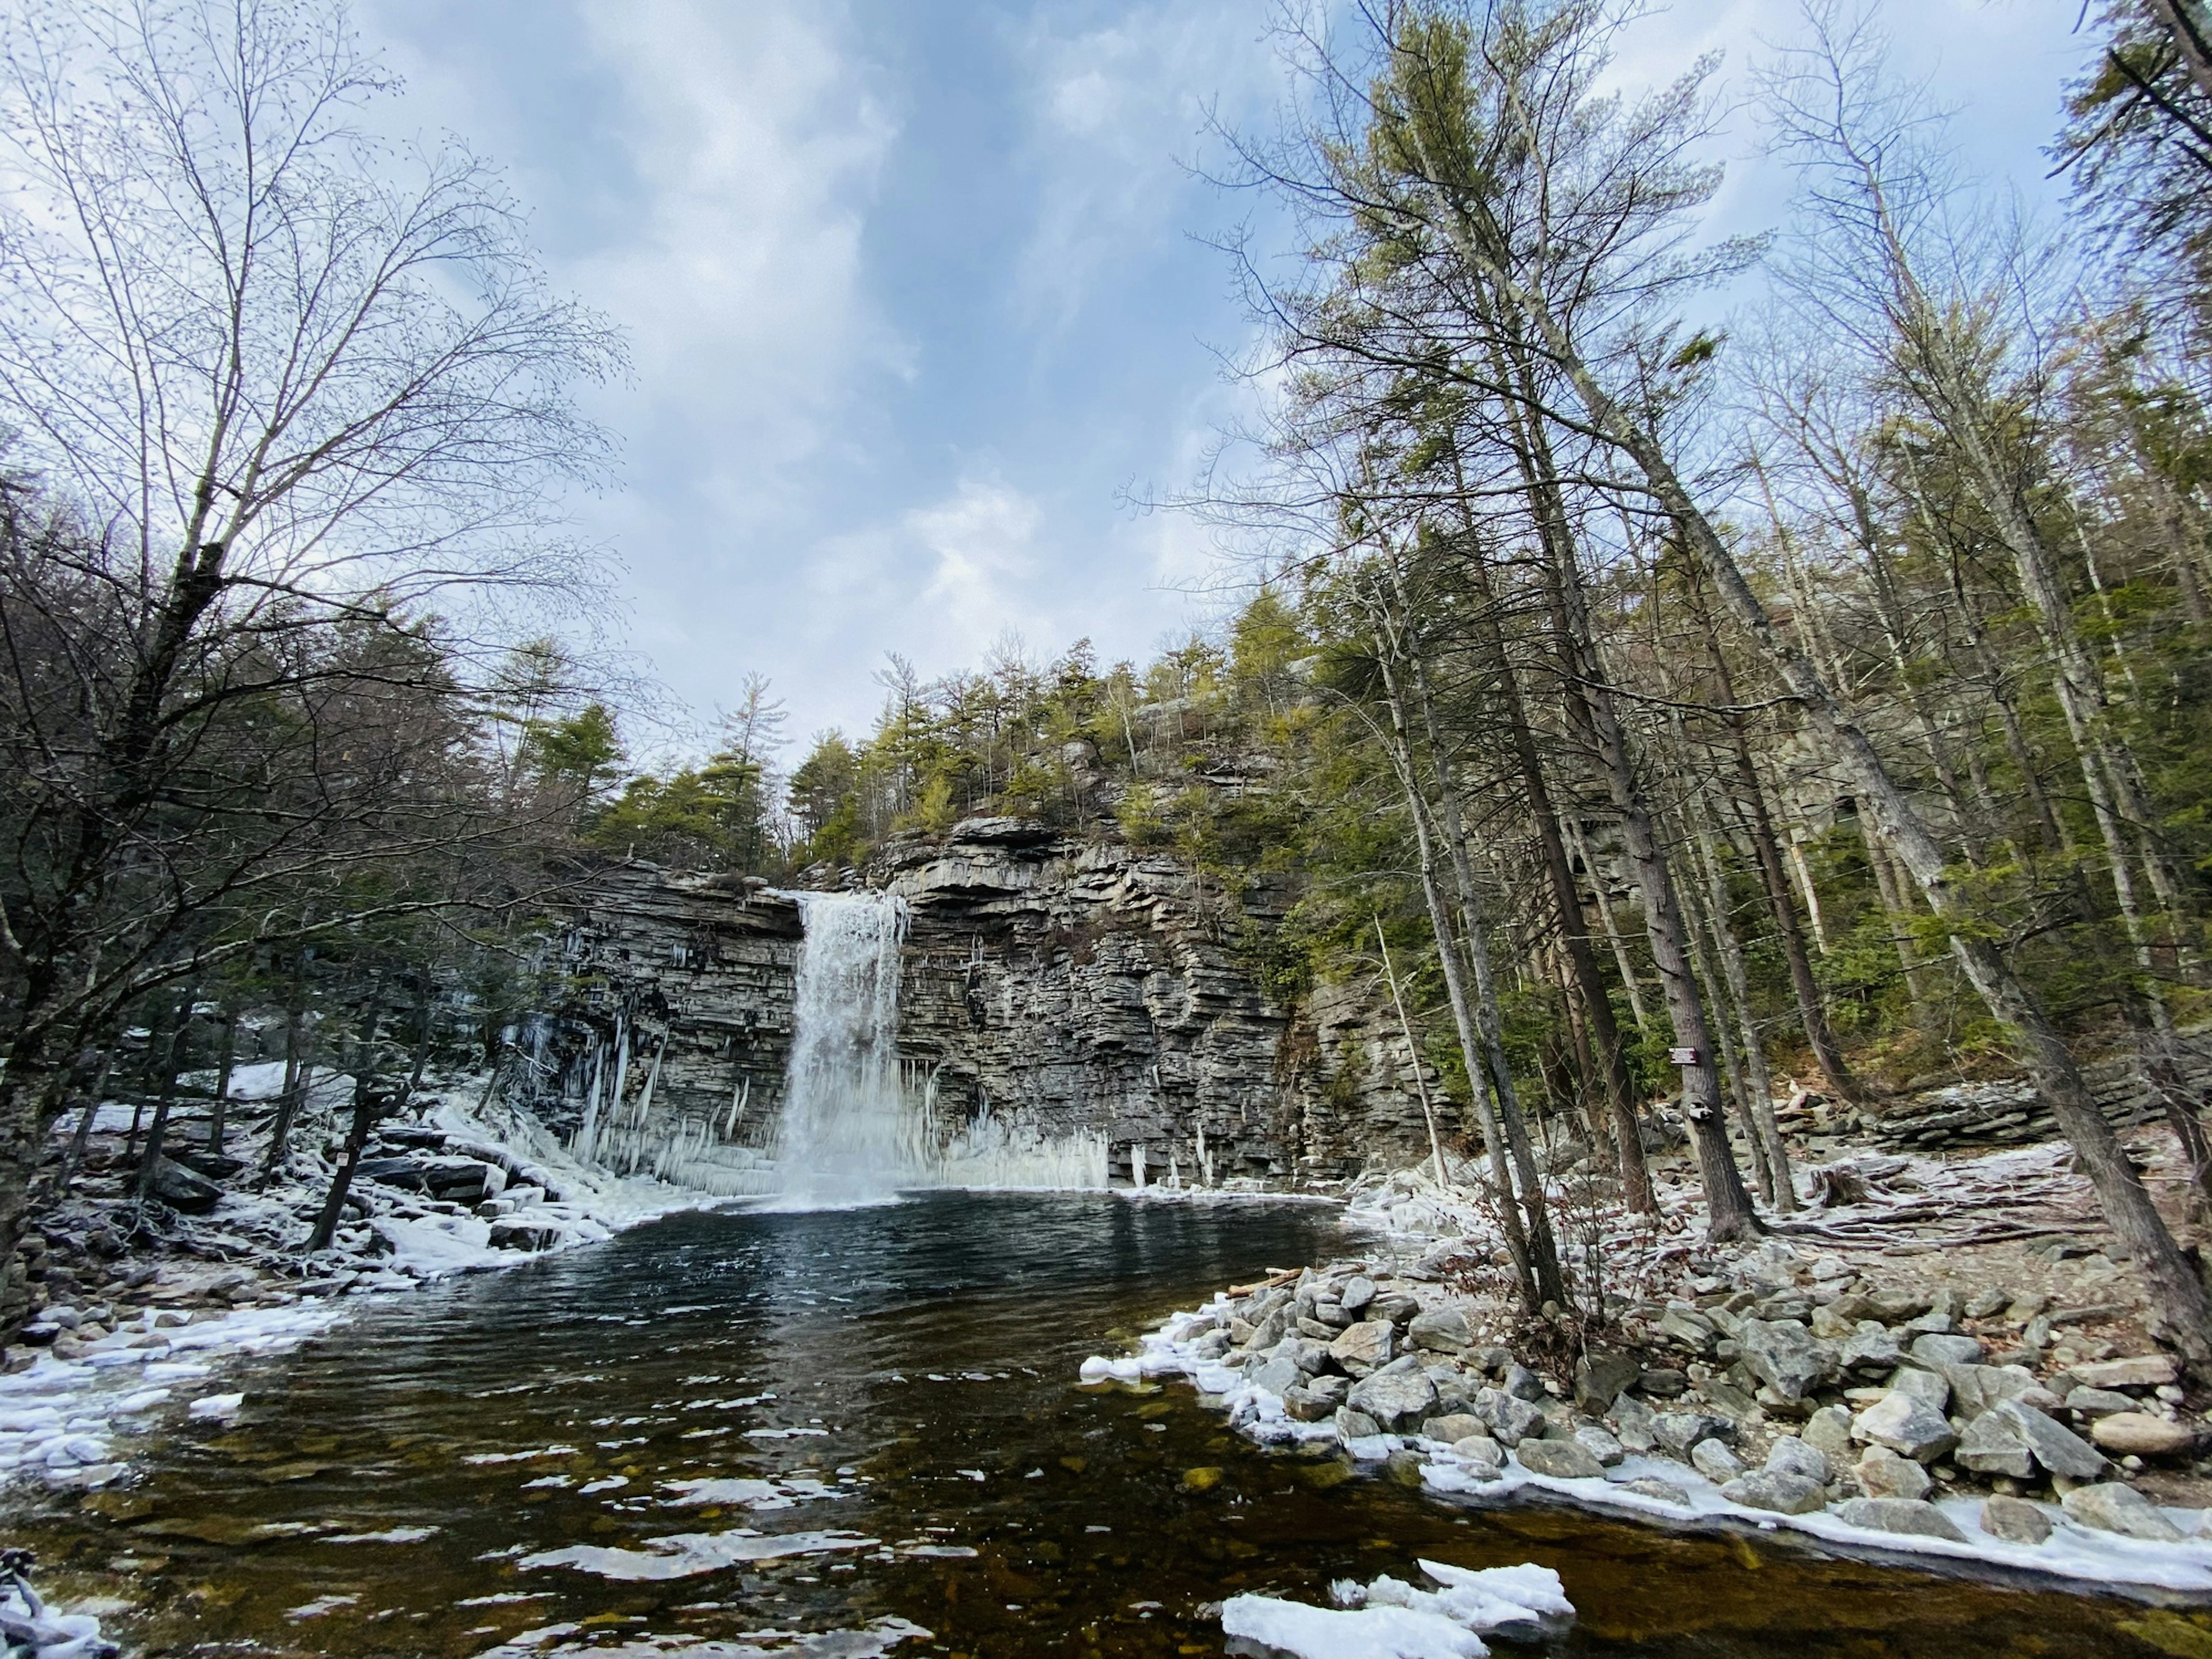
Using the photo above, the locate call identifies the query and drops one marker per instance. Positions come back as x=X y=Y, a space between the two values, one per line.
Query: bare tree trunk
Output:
x=222 y=1072
x=1765 y=1128
x=295 y=1080
x=149 y=1165
x=364 y=1119
x=1413 y=1053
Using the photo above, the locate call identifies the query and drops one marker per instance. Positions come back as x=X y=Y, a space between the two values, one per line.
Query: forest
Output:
x=1702 y=665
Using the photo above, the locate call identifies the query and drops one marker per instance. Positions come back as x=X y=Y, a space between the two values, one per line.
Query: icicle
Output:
x=1175 y=1174
x=645 y=1098
x=1137 y=1164
x=738 y=1095
x=587 y=1137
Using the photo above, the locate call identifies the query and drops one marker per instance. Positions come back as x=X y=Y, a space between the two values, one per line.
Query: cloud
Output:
x=980 y=544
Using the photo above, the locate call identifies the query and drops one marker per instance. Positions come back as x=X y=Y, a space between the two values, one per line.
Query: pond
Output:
x=863 y=1422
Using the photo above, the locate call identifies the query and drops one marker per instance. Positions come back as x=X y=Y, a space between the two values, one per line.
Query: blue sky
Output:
x=916 y=291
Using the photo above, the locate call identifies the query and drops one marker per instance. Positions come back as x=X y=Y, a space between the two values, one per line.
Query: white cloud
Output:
x=981 y=543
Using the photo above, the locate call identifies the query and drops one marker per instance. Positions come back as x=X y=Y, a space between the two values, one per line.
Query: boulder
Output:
x=1680 y=1431
x=2113 y=1507
x=1269 y=1331
x=1914 y=1516
x=1559 y=1460
x=1979 y=1389
x=513 y=1233
x=2099 y=1402
x=1441 y=1331
x=1936 y=1349
x=2014 y=1520
x=1882 y=1473
x=1663 y=1382
x=2057 y=1447
x=1995 y=1443
x=184 y=1190
x=1791 y=1455
x=1354 y=1424
x=1666 y=1492
x=1783 y=1354
x=1905 y=1425
x=1358 y=1291
x=1828 y=1432
x=1688 y=1328
x=1304 y=1406
x=1277 y=1374
x=1601 y=1375
x=1454 y=1427
x=1715 y=1461
x=1871 y=1347
x=1524 y=1384
x=1397 y=1308
x=406 y=1173
x=2147 y=1371
x=1482 y=1449
x=1895 y=1307
x=1776 y=1491
x=1401 y=1399
x=1932 y=1388
x=1636 y=1423
x=1364 y=1347
x=1511 y=1421
x=1599 y=1444
x=2140 y=1434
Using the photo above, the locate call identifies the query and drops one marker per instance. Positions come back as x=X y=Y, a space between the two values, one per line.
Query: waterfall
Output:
x=846 y=1140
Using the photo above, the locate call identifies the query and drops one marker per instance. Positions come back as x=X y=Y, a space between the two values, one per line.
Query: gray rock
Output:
x=1932 y=1388
x=1680 y=1431
x=1303 y=1351
x=1828 y=1432
x=1937 y=1349
x=1636 y=1423
x=1783 y=1354
x=2057 y=1447
x=1663 y=1382
x=1354 y=1424
x=1331 y=1388
x=1882 y=1473
x=1303 y=1406
x=1905 y=1425
x=1510 y=1419
x=2144 y=1371
x=1599 y=1444
x=1481 y=1449
x=1995 y=1443
x=1715 y=1461
x=1686 y=1326
x=1358 y=1291
x=1790 y=1454
x=1914 y=1516
x=1454 y=1427
x=1775 y=1490
x=1269 y=1331
x=1442 y=1331
x=2143 y=1434
x=2099 y=1402
x=1665 y=1490
x=1364 y=1347
x=1601 y=1376
x=1984 y=1302
x=1277 y=1375
x=2113 y=1507
x=1979 y=1389
x=184 y=1190
x=1399 y=1396
x=1560 y=1460
x=2014 y=1520
x=1871 y=1347
x=1491 y=1359
x=1524 y=1384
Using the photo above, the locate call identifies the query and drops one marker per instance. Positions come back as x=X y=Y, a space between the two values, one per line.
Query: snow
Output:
x=684 y=1554
x=1391 y=1620
x=878 y=1639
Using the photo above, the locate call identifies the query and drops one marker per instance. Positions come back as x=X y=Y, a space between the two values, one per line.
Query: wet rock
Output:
x=1665 y=1490
x=1776 y=1491
x=1715 y=1461
x=1913 y=1516
x=2139 y=1434
x=1791 y=1455
x=2147 y=1370
x=1600 y=1377
x=511 y=1233
x=1601 y=1445
x=1403 y=1468
x=1636 y=1423
x=1783 y=1354
x=2014 y=1520
x=1828 y=1432
x=1510 y=1419
x=1882 y=1473
x=1905 y=1425
x=1356 y=1425
x=1364 y=1347
x=1936 y=1349
x=1443 y=1331
x=1560 y=1460
x=1680 y=1431
x=1399 y=1396
x=2113 y=1507
x=1456 y=1427
x=2099 y=1402
x=1871 y=1347
x=1480 y=1449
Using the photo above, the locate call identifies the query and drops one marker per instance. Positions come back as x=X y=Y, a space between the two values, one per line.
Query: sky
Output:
x=922 y=295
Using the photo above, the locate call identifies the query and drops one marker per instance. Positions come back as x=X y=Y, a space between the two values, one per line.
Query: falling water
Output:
x=845 y=1137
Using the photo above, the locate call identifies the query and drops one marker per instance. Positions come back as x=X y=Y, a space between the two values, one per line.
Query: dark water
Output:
x=665 y=1356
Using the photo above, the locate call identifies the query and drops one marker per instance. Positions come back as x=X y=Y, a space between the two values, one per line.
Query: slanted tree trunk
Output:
x=364 y=1119
x=149 y=1165
x=296 y=1073
x=222 y=1072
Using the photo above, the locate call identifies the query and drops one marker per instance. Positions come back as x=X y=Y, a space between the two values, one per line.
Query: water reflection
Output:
x=726 y=1423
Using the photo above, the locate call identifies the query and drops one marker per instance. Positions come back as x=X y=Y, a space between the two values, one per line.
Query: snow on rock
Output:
x=684 y=1554
x=878 y=1639
x=1392 y=1620
x=27 y=1623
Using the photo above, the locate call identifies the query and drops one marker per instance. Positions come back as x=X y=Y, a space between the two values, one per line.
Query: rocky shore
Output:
x=1893 y=1404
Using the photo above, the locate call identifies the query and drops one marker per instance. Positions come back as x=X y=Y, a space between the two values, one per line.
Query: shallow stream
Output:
x=903 y=1375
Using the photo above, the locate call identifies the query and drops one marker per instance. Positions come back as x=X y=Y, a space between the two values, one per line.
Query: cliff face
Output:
x=1071 y=1011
